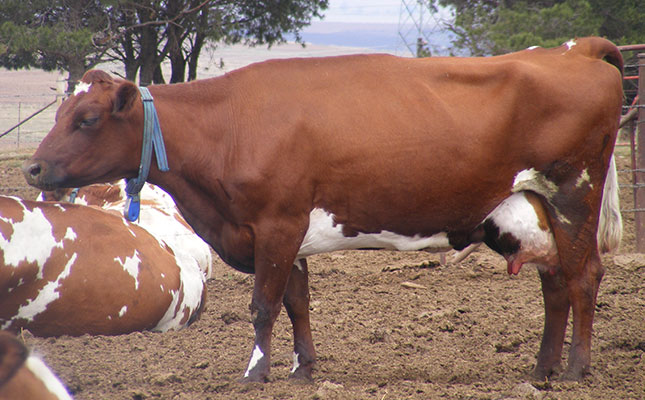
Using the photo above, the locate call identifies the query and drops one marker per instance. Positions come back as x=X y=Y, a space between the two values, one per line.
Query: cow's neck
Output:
x=195 y=150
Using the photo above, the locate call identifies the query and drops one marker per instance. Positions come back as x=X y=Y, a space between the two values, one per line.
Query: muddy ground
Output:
x=468 y=331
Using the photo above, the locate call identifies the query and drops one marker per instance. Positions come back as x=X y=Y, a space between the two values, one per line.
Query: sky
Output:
x=363 y=11
x=374 y=24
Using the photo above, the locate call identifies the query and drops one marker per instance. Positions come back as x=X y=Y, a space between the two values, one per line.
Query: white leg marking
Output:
x=296 y=363
x=255 y=358
x=40 y=370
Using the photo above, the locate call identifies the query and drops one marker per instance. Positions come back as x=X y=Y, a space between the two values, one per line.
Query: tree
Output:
x=51 y=35
x=156 y=30
x=75 y=35
x=485 y=27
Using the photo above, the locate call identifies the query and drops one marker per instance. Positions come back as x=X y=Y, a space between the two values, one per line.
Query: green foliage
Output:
x=74 y=35
x=486 y=27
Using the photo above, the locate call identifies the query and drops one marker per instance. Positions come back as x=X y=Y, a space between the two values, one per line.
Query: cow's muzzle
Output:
x=39 y=174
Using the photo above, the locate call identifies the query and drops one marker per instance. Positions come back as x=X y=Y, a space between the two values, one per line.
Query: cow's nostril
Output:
x=34 y=170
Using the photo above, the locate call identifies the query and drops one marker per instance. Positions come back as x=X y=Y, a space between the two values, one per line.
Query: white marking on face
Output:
x=123 y=310
x=296 y=363
x=53 y=384
x=131 y=266
x=324 y=235
x=255 y=358
x=570 y=44
x=48 y=294
x=532 y=47
x=82 y=87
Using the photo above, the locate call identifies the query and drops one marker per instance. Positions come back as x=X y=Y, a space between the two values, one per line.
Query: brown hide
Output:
x=414 y=147
x=17 y=380
x=77 y=277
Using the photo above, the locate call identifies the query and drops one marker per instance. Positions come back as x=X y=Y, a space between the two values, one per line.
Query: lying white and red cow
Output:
x=159 y=216
x=69 y=269
x=24 y=376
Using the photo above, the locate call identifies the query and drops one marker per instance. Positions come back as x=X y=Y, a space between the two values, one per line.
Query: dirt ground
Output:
x=468 y=331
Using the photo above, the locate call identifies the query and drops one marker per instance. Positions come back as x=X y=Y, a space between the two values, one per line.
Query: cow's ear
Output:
x=13 y=354
x=126 y=94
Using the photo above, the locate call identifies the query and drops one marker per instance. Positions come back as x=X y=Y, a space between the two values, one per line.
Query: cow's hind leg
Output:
x=582 y=296
x=556 y=310
x=296 y=302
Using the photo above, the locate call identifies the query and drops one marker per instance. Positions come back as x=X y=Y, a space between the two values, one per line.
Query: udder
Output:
x=519 y=230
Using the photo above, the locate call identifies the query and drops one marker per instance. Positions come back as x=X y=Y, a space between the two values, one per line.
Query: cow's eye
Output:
x=87 y=122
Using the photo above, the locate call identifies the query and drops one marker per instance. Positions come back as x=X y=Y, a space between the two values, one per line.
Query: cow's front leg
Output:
x=275 y=250
x=296 y=301
x=556 y=313
x=582 y=295
x=268 y=292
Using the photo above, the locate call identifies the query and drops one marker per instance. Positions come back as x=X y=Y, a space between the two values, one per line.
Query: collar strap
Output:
x=152 y=140
x=73 y=195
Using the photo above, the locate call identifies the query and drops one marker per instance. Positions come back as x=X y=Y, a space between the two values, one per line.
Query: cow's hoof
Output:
x=301 y=375
x=543 y=373
x=574 y=374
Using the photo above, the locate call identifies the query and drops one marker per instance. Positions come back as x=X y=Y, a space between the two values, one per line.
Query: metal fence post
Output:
x=639 y=193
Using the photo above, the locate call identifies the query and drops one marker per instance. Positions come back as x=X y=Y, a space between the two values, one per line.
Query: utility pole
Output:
x=416 y=25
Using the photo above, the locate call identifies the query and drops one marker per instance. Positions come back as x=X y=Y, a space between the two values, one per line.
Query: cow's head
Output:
x=96 y=138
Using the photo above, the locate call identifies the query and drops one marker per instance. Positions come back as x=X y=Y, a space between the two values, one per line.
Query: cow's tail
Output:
x=610 y=226
x=599 y=48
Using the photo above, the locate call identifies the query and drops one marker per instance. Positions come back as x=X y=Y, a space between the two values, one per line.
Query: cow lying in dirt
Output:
x=69 y=269
x=24 y=376
x=284 y=159
x=159 y=216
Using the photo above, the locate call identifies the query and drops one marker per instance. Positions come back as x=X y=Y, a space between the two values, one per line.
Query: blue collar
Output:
x=151 y=137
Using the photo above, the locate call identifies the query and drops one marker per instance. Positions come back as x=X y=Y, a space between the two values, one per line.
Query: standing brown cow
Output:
x=288 y=158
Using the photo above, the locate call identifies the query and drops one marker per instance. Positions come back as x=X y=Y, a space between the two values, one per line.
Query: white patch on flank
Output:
x=324 y=235
x=255 y=358
x=48 y=294
x=526 y=175
x=123 y=310
x=131 y=266
x=516 y=215
x=70 y=234
x=570 y=44
x=82 y=87
x=584 y=178
x=51 y=382
x=192 y=283
x=34 y=224
x=296 y=363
